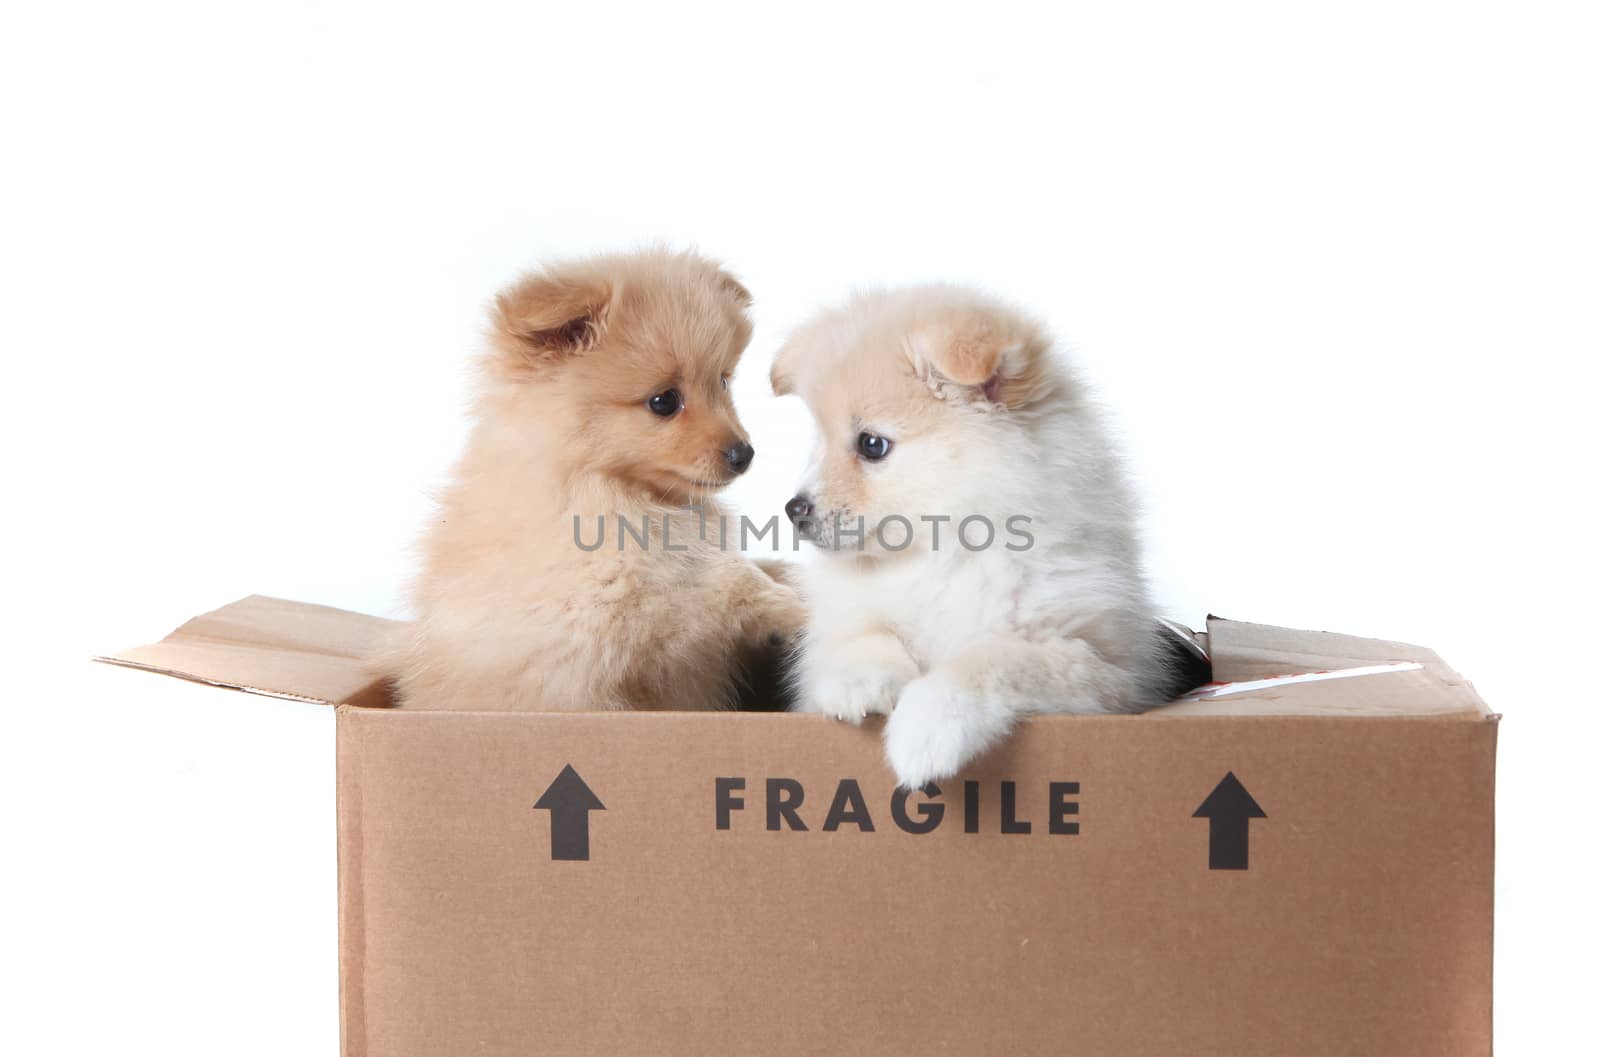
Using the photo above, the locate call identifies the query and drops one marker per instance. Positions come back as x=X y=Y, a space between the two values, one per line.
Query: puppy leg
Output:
x=848 y=677
x=771 y=612
x=786 y=573
x=964 y=706
x=767 y=638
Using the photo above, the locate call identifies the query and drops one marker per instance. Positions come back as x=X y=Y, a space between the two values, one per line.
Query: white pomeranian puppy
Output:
x=981 y=561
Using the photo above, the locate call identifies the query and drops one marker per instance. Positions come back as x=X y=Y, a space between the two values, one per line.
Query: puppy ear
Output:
x=544 y=318
x=734 y=289
x=782 y=376
x=980 y=359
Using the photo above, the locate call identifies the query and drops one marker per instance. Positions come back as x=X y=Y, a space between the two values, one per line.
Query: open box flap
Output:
x=307 y=652
x=1242 y=653
x=273 y=647
x=1241 y=650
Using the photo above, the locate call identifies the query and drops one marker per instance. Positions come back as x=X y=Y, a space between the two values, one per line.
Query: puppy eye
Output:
x=665 y=403
x=872 y=447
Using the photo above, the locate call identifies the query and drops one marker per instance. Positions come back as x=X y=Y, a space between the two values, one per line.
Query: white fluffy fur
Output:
x=954 y=645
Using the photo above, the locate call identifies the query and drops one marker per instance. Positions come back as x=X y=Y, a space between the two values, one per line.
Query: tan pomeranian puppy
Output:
x=567 y=569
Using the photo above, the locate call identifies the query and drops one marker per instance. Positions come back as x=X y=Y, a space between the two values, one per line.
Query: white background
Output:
x=1335 y=273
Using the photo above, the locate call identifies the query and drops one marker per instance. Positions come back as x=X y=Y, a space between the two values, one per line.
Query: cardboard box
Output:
x=1293 y=868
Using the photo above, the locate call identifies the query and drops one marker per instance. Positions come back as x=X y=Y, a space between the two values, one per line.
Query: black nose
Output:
x=739 y=457
x=797 y=508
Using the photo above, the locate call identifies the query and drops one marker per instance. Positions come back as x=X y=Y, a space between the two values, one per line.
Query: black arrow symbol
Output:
x=1230 y=807
x=569 y=802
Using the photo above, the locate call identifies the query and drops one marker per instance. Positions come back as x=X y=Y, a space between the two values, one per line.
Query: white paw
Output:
x=853 y=693
x=926 y=737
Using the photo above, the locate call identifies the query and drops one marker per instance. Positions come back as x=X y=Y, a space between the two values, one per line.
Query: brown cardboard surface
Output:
x=274 y=647
x=1241 y=650
x=1362 y=925
x=1345 y=908
x=1417 y=692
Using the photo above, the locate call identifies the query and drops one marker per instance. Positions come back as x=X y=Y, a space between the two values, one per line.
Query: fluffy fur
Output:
x=955 y=643
x=512 y=613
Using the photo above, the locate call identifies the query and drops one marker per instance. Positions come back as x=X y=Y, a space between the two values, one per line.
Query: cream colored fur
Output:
x=956 y=643
x=511 y=612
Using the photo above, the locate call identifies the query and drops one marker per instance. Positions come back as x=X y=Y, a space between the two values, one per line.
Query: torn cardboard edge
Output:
x=317 y=654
